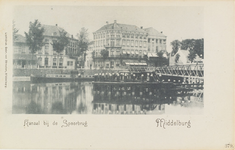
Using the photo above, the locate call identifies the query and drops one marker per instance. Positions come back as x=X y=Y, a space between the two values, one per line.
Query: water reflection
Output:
x=86 y=98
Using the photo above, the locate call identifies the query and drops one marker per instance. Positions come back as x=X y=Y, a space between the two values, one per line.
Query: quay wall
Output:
x=41 y=72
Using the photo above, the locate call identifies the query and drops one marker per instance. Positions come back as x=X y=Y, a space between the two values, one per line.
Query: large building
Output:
x=126 y=44
x=46 y=57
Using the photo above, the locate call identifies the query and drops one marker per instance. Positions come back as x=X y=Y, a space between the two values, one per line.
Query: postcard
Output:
x=117 y=75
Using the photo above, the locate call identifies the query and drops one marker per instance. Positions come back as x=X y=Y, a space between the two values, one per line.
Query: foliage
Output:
x=160 y=54
x=177 y=58
x=93 y=55
x=192 y=55
x=14 y=30
x=34 y=37
x=199 y=47
x=61 y=42
x=104 y=53
x=83 y=40
x=175 y=47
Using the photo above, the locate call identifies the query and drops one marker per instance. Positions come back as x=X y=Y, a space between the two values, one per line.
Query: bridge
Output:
x=188 y=71
x=193 y=73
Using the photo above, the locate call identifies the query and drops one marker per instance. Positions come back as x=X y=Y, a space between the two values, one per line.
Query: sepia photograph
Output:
x=119 y=62
x=106 y=75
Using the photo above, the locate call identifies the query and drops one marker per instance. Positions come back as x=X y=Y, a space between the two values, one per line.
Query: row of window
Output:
x=161 y=41
x=136 y=43
x=46 y=62
x=100 y=36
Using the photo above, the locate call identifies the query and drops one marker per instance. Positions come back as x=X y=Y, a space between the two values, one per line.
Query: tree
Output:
x=177 y=58
x=199 y=47
x=188 y=44
x=34 y=37
x=105 y=54
x=83 y=41
x=14 y=31
x=195 y=47
x=192 y=55
x=61 y=42
x=160 y=54
x=175 y=47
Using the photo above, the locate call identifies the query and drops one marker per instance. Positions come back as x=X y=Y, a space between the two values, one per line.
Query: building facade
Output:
x=46 y=57
x=126 y=44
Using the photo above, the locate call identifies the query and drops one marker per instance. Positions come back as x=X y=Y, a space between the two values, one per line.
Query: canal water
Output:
x=85 y=98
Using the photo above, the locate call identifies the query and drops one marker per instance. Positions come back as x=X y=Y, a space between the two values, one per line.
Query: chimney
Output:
x=107 y=22
x=115 y=21
x=161 y=32
x=55 y=24
x=141 y=27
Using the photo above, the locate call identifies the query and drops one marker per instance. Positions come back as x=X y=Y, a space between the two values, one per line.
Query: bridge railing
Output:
x=193 y=70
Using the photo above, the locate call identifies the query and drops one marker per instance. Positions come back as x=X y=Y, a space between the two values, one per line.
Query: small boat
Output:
x=59 y=78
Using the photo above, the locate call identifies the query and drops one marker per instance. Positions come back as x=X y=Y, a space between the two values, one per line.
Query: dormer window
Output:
x=54 y=34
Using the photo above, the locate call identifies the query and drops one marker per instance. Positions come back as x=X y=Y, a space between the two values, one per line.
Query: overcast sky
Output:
x=175 y=22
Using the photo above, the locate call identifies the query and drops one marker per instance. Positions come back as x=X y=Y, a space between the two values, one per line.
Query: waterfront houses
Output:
x=127 y=45
x=46 y=57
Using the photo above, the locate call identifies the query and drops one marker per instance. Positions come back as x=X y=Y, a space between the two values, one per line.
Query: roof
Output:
x=124 y=27
x=20 y=39
x=153 y=32
x=50 y=30
x=184 y=52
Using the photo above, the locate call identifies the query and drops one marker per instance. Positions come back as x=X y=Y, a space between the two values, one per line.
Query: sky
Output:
x=176 y=22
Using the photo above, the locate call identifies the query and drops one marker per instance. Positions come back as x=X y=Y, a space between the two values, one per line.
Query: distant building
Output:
x=22 y=58
x=46 y=57
x=181 y=58
x=127 y=45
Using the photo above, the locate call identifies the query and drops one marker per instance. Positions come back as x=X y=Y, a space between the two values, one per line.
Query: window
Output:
x=160 y=41
x=118 y=42
x=156 y=49
x=140 y=43
x=118 y=36
x=112 y=36
x=111 y=54
x=40 y=61
x=46 y=48
x=132 y=43
x=148 y=40
x=136 y=43
x=117 y=53
x=69 y=63
x=54 y=61
x=46 y=61
x=61 y=62
x=156 y=40
x=123 y=42
x=145 y=43
x=112 y=43
x=128 y=42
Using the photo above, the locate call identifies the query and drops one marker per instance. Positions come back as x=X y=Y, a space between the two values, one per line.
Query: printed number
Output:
x=228 y=145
